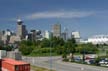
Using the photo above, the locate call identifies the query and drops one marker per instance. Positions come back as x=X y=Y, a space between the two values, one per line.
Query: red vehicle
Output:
x=14 y=65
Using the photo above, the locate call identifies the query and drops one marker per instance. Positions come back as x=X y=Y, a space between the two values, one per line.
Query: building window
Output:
x=16 y=68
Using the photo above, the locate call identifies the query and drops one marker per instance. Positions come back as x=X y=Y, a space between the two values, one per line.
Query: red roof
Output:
x=13 y=62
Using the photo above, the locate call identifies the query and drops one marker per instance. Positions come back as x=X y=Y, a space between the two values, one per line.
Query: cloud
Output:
x=60 y=14
x=52 y=14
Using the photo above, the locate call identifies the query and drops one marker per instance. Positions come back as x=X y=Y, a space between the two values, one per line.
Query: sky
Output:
x=89 y=17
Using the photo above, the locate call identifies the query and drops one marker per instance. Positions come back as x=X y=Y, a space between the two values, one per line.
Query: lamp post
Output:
x=50 y=56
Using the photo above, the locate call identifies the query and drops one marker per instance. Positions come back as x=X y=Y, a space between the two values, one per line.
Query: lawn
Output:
x=35 y=68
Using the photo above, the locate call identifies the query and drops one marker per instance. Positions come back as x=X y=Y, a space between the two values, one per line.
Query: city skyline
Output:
x=89 y=17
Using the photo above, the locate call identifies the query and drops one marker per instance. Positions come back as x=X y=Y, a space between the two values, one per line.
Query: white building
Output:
x=83 y=41
x=98 y=39
x=76 y=35
x=8 y=33
x=47 y=34
x=6 y=36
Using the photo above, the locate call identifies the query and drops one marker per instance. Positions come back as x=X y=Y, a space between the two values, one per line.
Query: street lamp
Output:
x=50 y=56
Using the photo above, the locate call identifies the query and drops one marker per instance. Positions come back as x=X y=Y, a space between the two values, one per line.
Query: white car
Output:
x=103 y=62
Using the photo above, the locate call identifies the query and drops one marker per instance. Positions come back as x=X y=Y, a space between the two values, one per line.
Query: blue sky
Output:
x=89 y=17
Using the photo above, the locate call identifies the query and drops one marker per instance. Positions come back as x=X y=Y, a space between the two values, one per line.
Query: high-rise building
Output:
x=47 y=34
x=56 y=30
x=5 y=39
x=6 y=36
x=33 y=35
x=21 y=29
x=76 y=35
x=24 y=31
x=64 y=34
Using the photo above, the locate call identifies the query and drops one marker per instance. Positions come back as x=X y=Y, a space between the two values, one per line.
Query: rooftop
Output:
x=13 y=62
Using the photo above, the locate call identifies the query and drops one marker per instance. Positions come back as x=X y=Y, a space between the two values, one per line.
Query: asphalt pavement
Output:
x=56 y=63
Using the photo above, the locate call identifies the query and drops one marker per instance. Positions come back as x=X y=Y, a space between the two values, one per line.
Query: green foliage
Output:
x=97 y=61
x=56 y=41
x=7 y=48
x=26 y=47
x=43 y=52
x=27 y=43
x=60 y=50
x=58 y=46
x=64 y=55
x=45 y=43
x=26 y=50
x=101 y=57
x=87 y=48
x=107 y=53
x=71 y=45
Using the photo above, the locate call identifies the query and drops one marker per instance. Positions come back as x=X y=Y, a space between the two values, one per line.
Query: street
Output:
x=56 y=63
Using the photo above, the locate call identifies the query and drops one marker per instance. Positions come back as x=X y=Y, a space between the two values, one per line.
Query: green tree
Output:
x=26 y=47
x=60 y=50
x=86 y=49
x=107 y=53
x=97 y=61
x=6 y=47
x=57 y=41
x=26 y=50
x=45 y=43
x=26 y=42
x=71 y=47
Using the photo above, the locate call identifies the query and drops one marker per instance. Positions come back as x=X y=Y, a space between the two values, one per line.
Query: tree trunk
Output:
x=71 y=57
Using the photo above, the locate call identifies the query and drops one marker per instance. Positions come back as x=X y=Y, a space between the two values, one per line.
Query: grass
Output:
x=35 y=68
x=43 y=54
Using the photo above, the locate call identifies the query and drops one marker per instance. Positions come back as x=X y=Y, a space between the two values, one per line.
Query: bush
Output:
x=7 y=48
x=64 y=55
x=26 y=50
x=97 y=61
x=87 y=49
x=43 y=52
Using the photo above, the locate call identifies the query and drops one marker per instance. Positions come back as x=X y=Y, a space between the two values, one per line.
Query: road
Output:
x=55 y=63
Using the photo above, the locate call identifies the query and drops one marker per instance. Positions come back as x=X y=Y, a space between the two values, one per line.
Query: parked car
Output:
x=77 y=59
x=103 y=62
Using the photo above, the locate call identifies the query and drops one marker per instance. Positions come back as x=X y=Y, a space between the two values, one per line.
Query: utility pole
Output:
x=50 y=56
